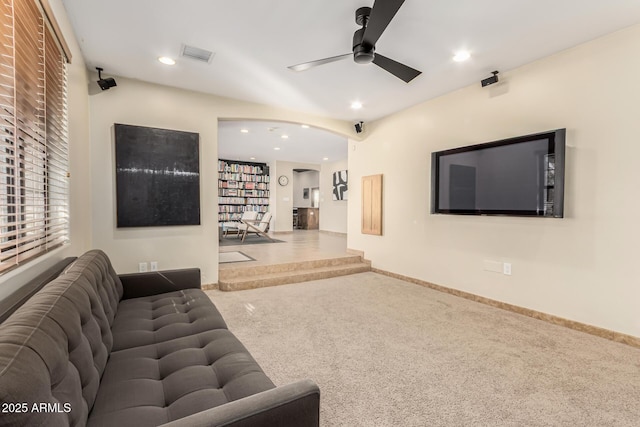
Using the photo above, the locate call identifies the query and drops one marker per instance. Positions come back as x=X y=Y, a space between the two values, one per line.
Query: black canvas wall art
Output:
x=157 y=177
x=340 y=185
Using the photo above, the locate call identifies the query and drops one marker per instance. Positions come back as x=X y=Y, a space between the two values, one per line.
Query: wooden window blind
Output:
x=34 y=144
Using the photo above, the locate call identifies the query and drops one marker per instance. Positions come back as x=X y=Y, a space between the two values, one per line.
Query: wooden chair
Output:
x=239 y=227
x=258 y=227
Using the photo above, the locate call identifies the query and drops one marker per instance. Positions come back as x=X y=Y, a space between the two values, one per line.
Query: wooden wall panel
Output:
x=372 y=205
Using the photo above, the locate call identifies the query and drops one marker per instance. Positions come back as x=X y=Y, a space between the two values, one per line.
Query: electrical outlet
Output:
x=154 y=265
x=506 y=268
x=142 y=267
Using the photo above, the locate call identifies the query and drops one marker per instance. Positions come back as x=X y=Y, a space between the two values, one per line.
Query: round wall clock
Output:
x=283 y=180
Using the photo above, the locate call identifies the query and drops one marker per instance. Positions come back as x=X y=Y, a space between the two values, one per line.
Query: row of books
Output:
x=243 y=201
x=230 y=208
x=232 y=216
x=241 y=208
x=257 y=201
x=238 y=168
x=243 y=177
x=234 y=192
x=243 y=185
x=229 y=217
x=231 y=201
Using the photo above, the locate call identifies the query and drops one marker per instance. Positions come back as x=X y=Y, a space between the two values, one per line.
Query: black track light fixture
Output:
x=490 y=80
x=105 y=83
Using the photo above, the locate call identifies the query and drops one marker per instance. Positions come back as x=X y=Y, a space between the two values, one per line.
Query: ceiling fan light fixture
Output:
x=362 y=53
x=363 y=56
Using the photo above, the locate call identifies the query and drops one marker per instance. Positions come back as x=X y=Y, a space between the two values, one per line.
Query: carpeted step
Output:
x=246 y=270
x=292 y=276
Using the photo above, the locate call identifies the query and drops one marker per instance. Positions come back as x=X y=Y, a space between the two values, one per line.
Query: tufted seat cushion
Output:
x=83 y=351
x=158 y=383
x=159 y=318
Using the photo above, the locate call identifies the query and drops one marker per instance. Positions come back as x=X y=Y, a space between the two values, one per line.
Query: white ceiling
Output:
x=303 y=145
x=255 y=41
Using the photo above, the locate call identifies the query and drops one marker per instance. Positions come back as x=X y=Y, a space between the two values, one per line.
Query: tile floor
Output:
x=300 y=245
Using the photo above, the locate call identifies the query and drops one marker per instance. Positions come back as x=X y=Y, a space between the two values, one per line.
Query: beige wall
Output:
x=333 y=215
x=79 y=188
x=582 y=267
x=137 y=103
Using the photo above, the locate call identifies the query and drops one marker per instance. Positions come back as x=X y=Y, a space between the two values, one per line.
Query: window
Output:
x=34 y=196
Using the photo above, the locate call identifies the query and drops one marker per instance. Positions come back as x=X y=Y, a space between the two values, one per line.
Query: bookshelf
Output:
x=242 y=186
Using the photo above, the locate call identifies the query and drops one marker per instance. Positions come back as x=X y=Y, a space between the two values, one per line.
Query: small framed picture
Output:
x=305 y=193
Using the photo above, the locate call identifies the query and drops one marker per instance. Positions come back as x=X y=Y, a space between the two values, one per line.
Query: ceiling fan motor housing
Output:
x=362 y=54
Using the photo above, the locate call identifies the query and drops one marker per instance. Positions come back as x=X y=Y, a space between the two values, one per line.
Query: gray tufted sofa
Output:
x=94 y=348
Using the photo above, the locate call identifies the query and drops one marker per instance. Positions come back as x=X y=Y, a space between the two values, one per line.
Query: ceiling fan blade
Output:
x=401 y=71
x=306 y=65
x=382 y=13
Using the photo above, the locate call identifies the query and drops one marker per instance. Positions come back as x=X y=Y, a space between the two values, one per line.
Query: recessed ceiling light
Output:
x=252 y=158
x=276 y=148
x=285 y=137
x=356 y=105
x=325 y=158
x=461 y=56
x=166 y=60
x=244 y=130
x=305 y=126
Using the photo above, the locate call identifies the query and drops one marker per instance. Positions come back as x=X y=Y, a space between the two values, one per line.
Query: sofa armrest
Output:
x=291 y=405
x=137 y=285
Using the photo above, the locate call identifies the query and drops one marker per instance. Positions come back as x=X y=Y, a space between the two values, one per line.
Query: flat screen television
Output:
x=522 y=176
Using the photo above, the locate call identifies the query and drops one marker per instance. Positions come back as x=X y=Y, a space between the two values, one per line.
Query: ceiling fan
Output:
x=374 y=21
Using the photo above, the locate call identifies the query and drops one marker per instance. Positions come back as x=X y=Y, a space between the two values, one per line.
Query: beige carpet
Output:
x=390 y=353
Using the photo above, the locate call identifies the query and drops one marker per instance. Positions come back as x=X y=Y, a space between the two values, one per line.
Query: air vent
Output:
x=196 y=53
